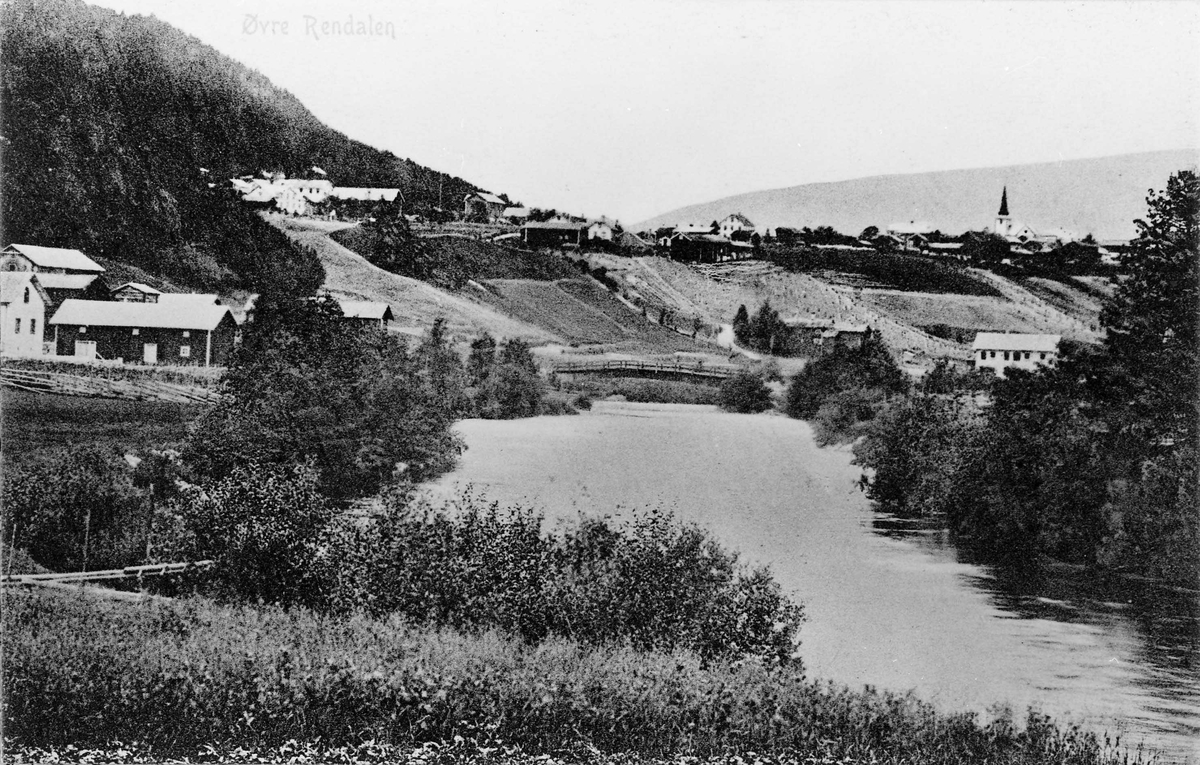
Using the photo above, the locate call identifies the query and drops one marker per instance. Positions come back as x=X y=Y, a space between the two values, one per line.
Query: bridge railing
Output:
x=714 y=371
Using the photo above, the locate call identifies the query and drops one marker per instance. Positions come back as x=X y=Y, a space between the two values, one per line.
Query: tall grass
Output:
x=180 y=677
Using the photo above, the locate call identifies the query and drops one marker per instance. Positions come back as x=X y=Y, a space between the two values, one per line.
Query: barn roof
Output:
x=560 y=225
x=67 y=281
x=185 y=314
x=364 y=194
x=57 y=257
x=488 y=197
x=1013 y=341
x=143 y=288
x=13 y=283
x=740 y=219
x=366 y=309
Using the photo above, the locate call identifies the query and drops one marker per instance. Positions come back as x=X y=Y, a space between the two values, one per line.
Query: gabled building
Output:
x=733 y=224
x=23 y=304
x=484 y=203
x=135 y=292
x=1000 y=351
x=184 y=329
x=553 y=233
x=811 y=338
x=367 y=313
x=47 y=260
x=601 y=229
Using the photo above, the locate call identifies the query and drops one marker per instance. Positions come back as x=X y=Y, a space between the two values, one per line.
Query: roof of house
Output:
x=945 y=245
x=78 y=282
x=364 y=194
x=366 y=309
x=146 y=288
x=488 y=197
x=516 y=212
x=13 y=283
x=57 y=257
x=692 y=228
x=561 y=225
x=740 y=219
x=910 y=227
x=1013 y=341
x=188 y=298
x=186 y=314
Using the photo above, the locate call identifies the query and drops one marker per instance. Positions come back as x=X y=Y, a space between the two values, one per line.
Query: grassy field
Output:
x=189 y=678
x=34 y=423
x=583 y=313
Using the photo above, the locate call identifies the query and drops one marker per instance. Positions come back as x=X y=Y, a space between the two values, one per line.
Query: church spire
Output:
x=1004 y=203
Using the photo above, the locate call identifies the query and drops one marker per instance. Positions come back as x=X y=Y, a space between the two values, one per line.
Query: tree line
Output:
x=1093 y=461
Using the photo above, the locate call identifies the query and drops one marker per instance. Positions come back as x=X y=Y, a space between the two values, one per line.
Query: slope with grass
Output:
x=415 y=304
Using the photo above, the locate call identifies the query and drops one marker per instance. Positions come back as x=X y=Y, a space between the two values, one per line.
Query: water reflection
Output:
x=1154 y=628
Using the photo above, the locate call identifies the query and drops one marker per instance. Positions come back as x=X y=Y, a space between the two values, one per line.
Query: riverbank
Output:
x=889 y=608
x=192 y=679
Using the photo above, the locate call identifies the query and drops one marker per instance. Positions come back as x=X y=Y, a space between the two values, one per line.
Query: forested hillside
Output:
x=114 y=126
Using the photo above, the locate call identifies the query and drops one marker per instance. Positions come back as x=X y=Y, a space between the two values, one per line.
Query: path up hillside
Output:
x=415 y=304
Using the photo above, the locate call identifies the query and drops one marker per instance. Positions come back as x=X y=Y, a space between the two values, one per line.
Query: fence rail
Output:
x=618 y=366
x=129 y=572
x=103 y=387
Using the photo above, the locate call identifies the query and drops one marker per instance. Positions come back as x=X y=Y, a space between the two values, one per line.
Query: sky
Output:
x=631 y=108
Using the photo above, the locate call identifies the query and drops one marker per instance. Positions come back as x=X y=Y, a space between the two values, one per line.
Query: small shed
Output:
x=135 y=292
x=367 y=313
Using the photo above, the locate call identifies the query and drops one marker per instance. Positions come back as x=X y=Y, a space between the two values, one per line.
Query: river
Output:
x=888 y=604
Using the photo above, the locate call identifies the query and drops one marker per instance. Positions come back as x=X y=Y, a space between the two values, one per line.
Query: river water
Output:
x=888 y=603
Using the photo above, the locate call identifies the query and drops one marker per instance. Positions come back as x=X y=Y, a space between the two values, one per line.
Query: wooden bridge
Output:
x=634 y=368
x=103 y=387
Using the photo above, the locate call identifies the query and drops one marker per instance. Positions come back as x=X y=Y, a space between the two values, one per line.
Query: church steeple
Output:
x=1004 y=203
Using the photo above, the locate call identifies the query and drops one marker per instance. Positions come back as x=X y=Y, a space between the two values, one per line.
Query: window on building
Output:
x=1043 y=357
x=17 y=331
x=1006 y=355
x=33 y=326
x=186 y=333
x=83 y=330
x=993 y=354
x=1026 y=355
x=185 y=351
x=26 y=294
x=136 y=331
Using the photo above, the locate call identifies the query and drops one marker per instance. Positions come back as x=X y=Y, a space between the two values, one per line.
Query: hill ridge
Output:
x=1097 y=195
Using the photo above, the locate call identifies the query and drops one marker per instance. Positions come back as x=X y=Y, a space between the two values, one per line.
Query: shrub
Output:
x=651 y=581
x=846 y=415
x=260 y=525
x=83 y=673
x=746 y=393
x=868 y=366
x=75 y=509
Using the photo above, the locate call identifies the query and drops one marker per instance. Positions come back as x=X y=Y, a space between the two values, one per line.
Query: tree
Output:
x=745 y=393
x=482 y=359
x=513 y=387
x=307 y=386
x=1152 y=335
x=869 y=233
x=741 y=325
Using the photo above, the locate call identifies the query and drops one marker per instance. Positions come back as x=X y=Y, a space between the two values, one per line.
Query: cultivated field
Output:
x=583 y=313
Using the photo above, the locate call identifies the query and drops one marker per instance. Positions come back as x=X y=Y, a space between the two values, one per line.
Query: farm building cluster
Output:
x=55 y=302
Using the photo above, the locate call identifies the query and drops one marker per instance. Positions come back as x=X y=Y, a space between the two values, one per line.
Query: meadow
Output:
x=35 y=424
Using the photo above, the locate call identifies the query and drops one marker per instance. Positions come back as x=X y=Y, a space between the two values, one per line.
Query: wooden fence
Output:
x=129 y=572
x=647 y=369
x=102 y=387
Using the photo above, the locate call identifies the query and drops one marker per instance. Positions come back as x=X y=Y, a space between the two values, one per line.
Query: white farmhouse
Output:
x=734 y=223
x=22 y=313
x=1000 y=351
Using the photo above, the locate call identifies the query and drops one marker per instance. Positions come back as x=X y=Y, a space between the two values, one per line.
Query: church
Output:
x=1018 y=233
